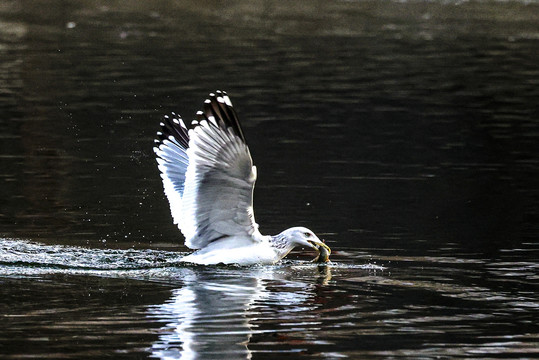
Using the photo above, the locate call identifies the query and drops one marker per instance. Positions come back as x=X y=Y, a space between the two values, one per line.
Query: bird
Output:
x=208 y=178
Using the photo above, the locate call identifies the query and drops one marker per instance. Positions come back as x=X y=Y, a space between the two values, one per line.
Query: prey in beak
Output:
x=323 y=251
x=301 y=236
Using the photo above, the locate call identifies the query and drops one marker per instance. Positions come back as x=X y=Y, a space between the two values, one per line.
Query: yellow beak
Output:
x=323 y=251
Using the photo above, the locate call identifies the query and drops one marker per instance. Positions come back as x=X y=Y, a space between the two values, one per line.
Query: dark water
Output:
x=404 y=133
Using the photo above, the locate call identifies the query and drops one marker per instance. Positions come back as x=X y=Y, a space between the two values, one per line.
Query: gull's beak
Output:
x=323 y=250
x=317 y=244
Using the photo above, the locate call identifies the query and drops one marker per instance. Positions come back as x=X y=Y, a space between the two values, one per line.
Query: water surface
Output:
x=404 y=133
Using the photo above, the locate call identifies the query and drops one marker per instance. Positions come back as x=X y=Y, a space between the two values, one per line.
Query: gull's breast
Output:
x=234 y=250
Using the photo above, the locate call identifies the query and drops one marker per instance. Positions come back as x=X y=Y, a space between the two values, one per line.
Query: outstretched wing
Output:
x=208 y=174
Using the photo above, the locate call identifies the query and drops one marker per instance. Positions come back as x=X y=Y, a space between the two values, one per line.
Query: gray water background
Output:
x=405 y=133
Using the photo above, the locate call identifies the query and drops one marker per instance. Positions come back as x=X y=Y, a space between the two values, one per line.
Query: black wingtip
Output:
x=218 y=110
x=174 y=127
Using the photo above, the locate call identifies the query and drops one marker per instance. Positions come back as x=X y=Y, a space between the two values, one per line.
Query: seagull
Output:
x=209 y=177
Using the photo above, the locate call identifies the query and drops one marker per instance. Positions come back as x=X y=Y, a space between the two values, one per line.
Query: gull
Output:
x=209 y=177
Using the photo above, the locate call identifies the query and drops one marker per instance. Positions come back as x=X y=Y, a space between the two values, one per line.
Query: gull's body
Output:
x=235 y=250
x=209 y=177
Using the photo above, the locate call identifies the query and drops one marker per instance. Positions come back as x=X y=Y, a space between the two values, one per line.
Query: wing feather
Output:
x=208 y=174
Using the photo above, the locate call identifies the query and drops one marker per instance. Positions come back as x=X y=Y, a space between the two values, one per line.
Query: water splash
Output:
x=28 y=258
x=24 y=253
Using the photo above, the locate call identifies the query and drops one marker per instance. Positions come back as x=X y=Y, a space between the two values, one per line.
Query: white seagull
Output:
x=209 y=177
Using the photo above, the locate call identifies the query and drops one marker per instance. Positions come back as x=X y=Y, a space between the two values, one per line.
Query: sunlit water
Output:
x=404 y=133
x=145 y=301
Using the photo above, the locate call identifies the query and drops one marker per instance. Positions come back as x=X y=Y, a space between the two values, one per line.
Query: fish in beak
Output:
x=323 y=251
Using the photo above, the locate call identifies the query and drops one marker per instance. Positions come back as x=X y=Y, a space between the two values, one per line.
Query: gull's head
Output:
x=301 y=236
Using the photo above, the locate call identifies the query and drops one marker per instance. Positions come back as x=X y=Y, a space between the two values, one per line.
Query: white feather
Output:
x=208 y=177
x=219 y=183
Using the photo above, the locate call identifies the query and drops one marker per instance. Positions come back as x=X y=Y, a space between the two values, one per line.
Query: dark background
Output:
x=378 y=123
x=405 y=133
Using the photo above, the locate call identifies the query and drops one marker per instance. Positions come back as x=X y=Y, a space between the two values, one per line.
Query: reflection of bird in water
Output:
x=211 y=316
x=209 y=177
x=207 y=317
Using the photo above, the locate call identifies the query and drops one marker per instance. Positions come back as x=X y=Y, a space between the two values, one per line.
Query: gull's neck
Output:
x=281 y=244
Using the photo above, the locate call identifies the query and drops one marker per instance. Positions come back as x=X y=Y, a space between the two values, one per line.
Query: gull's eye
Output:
x=307 y=235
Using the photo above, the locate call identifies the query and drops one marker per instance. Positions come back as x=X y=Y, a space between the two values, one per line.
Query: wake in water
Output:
x=22 y=257
x=24 y=253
